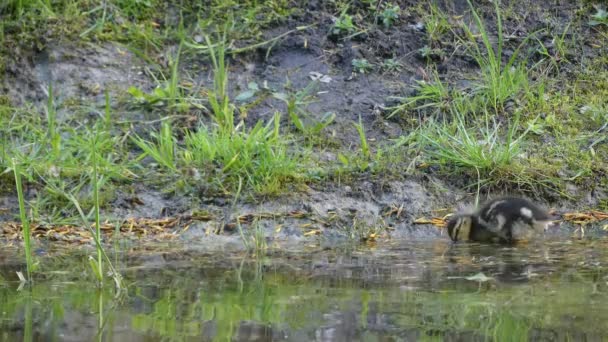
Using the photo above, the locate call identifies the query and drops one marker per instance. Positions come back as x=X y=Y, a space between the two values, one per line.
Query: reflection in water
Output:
x=416 y=290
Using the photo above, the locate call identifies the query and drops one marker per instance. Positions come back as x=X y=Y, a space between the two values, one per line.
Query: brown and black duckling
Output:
x=505 y=219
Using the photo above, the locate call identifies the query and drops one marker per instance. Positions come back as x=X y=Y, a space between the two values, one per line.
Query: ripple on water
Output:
x=402 y=289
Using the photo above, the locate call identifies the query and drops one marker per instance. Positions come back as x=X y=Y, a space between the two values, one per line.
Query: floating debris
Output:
x=585 y=217
x=435 y=221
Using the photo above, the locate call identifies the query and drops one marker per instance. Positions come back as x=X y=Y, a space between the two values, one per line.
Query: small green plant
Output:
x=343 y=25
x=435 y=95
x=362 y=65
x=252 y=90
x=296 y=109
x=168 y=92
x=389 y=15
x=363 y=139
x=430 y=54
x=559 y=51
x=599 y=18
x=362 y=160
x=391 y=65
x=436 y=24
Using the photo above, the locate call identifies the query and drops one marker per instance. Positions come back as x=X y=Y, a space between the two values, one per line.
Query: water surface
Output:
x=393 y=291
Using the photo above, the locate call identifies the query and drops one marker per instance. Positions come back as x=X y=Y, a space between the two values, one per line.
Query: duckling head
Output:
x=459 y=227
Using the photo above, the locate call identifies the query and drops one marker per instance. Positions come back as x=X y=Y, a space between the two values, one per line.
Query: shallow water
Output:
x=397 y=290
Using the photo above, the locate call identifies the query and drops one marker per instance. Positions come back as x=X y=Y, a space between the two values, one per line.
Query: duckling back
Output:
x=513 y=218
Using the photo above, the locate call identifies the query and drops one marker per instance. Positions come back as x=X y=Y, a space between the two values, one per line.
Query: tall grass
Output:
x=222 y=109
x=25 y=223
x=92 y=147
x=96 y=205
x=53 y=136
x=499 y=81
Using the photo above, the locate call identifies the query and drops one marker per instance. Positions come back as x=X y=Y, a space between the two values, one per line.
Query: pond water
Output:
x=392 y=291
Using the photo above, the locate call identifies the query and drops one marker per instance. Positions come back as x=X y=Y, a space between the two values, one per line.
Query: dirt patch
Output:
x=79 y=74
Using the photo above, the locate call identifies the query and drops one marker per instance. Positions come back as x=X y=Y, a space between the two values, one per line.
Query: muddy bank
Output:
x=80 y=72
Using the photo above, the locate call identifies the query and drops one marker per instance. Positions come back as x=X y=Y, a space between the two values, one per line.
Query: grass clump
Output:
x=219 y=157
x=436 y=24
x=472 y=131
x=434 y=95
x=55 y=157
x=499 y=81
x=480 y=148
x=260 y=156
x=222 y=153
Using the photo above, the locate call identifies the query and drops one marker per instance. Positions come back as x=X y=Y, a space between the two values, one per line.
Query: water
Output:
x=394 y=291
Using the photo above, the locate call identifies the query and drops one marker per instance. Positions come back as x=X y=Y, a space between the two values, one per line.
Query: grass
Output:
x=163 y=149
x=499 y=81
x=482 y=130
x=489 y=131
x=296 y=102
x=436 y=24
x=486 y=151
x=258 y=155
x=222 y=153
x=97 y=265
x=25 y=223
x=435 y=95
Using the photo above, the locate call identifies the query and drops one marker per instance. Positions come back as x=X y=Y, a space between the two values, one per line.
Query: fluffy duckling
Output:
x=500 y=220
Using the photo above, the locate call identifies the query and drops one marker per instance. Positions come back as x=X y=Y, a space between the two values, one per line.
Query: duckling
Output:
x=500 y=220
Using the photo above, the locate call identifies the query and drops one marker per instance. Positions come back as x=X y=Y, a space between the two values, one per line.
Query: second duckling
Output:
x=505 y=219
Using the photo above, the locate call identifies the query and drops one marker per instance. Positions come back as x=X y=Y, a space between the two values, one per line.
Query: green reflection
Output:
x=555 y=293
